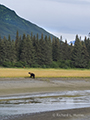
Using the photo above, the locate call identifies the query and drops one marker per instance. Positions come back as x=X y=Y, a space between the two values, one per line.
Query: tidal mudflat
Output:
x=37 y=103
x=22 y=96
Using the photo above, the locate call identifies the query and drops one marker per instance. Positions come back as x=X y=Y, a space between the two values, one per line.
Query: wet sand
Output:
x=19 y=86
x=71 y=114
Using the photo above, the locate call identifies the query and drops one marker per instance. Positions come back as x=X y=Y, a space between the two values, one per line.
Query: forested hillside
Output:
x=32 y=51
x=10 y=22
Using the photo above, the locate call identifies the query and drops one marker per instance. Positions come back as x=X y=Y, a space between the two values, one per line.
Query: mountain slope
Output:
x=10 y=22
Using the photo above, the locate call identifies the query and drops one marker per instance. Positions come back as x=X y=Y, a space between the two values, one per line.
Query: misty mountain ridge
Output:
x=10 y=23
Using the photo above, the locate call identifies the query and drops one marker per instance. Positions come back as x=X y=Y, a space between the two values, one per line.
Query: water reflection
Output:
x=44 y=102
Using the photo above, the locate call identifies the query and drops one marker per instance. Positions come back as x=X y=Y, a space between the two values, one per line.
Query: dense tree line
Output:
x=40 y=51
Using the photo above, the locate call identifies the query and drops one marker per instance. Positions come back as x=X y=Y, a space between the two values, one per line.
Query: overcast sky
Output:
x=60 y=17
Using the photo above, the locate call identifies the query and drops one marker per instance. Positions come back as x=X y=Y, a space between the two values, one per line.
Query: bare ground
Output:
x=71 y=114
x=14 y=86
x=18 y=86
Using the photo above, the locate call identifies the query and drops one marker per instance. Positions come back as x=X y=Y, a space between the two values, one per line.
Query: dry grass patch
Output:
x=23 y=72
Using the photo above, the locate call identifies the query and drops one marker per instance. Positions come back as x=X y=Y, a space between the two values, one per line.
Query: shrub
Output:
x=54 y=65
x=18 y=64
x=7 y=64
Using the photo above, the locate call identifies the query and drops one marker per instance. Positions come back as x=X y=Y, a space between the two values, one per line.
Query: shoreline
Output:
x=68 y=114
x=20 y=86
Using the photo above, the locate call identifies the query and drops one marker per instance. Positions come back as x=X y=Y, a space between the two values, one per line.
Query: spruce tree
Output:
x=56 y=49
x=27 y=51
x=84 y=57
x=48 y=51
x=42 y=51
x=17 y=46
x=37 y=51
x=9 y=51
x=1 y=51
x=5 y=49
x=76 y=54
x=65 y=51
x=87 y=43
x=13 y=57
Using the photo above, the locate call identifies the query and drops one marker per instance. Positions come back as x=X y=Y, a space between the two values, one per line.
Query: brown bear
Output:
x=32 y=75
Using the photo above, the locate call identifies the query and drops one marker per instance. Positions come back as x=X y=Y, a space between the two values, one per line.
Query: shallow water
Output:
x=44 y=102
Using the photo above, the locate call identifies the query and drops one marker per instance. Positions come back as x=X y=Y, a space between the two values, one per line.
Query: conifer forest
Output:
x=44 y=52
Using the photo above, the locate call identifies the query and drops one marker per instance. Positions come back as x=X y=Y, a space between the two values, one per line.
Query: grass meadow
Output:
x=39 y=72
